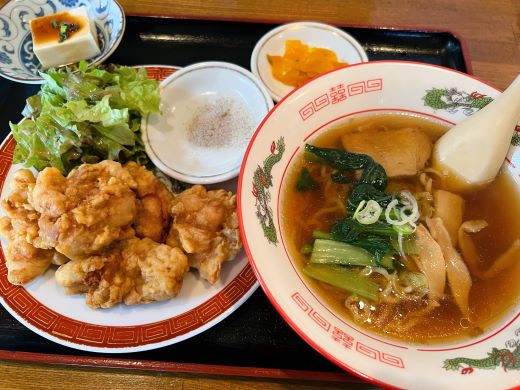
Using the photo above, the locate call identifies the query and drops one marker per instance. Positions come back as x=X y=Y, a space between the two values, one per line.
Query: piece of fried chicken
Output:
x=135 y=271
x=24 y=261
x=205 y=225
x=83 y=214
x=153 y=204
x=157 y=270
x=22 y=218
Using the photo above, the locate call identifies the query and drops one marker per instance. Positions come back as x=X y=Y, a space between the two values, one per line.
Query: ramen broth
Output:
x=498 y=204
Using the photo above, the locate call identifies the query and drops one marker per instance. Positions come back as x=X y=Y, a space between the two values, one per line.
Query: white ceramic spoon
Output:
x=473 y=151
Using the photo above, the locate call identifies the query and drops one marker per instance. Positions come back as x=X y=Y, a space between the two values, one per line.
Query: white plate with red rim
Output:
x=314 y=34
x=375 y=87
x=66 y=319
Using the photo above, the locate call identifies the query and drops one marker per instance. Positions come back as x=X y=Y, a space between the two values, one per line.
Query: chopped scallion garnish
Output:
x=368 y=213
x=65 y=28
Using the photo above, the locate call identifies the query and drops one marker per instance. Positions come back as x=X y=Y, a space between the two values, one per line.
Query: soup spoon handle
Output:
x=474 y=150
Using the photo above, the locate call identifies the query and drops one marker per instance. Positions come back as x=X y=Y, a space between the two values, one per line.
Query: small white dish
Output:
x=209 y=113
x=17 y=59
x=311 y=33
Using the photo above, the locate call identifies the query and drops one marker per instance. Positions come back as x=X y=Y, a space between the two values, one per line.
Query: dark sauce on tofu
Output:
x=44 y=30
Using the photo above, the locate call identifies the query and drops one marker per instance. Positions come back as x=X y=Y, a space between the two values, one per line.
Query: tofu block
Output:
x=79 y=45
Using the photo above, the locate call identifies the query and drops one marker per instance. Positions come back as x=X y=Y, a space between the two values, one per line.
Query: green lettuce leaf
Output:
x=86 y=115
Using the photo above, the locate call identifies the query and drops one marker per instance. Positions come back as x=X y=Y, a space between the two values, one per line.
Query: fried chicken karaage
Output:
x=116 y=232
x=154 y=203
x=84 y=213
x=136 y=271
x=22 y=218
x=25 y=260
x=205 y=225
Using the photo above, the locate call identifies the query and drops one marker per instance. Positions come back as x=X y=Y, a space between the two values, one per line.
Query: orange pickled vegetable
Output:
x=301 y=63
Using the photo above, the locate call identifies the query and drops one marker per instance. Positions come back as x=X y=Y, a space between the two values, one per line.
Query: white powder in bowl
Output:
x=223 y=122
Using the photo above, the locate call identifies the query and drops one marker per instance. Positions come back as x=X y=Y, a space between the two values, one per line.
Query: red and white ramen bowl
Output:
x=490 y=360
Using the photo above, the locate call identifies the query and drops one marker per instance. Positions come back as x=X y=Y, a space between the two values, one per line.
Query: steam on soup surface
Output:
x=380 y=239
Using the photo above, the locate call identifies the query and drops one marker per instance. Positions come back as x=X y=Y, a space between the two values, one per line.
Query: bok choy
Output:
x=344 y=278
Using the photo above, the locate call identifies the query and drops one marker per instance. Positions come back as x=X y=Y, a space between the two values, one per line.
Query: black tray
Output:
x=255 y=335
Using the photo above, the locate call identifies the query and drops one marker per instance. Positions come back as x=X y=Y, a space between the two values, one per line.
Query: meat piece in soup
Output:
x=407 y=259
x=450 y=208
x=402 y=152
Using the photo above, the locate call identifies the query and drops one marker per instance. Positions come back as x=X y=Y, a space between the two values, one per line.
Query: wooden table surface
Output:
x=491 y=29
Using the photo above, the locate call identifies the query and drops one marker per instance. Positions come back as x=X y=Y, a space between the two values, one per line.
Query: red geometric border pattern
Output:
x=343 y=338
x=70 y=330
x=159 y=73
x=339 y=93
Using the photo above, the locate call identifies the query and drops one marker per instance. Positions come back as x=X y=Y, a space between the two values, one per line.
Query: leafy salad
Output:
x=85 y=115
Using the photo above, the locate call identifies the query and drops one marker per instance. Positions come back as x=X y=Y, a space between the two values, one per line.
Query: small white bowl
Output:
x=311 y=33
x=17 y=59
x=210 y=110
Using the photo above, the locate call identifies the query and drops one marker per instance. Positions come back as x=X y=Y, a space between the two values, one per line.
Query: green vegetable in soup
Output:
x=387 y=261
x=335 y=252
x=344 y=278
x=375 y=238
x=305 y=181
x=366 y=237
x=321 y=234
x=373 y=173
x=306 y=249
x=416 y=280
x=340 y=177
x=337 y=158
x=366 y=192
x=409 y=245
x=379 y=247
x=349 y=230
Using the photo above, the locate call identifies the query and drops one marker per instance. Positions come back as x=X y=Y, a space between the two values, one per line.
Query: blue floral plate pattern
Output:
x=17 y=59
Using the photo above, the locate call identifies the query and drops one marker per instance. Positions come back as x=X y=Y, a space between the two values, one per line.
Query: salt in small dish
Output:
x=209 y=113
x=313 y=34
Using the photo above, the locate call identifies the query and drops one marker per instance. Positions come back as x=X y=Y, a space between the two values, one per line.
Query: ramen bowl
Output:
x=489 y=360
x=17 y=59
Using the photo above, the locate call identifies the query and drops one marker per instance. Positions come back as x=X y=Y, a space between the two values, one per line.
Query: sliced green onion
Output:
x=359 y=207
x=368 y=213
x=66 y=29
x=344 y=279
x=406 y=214
x=335 y=252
